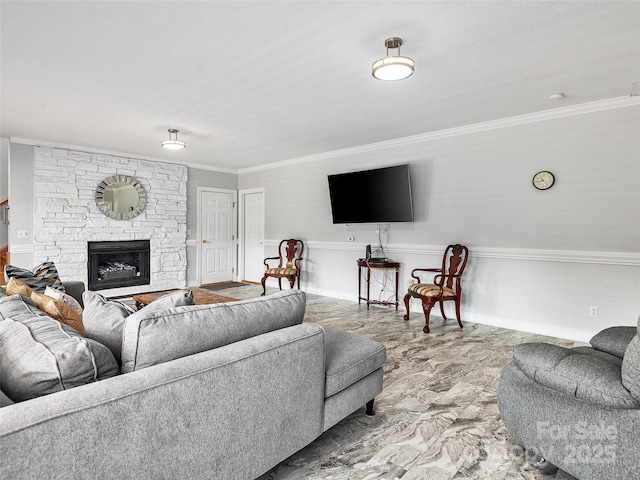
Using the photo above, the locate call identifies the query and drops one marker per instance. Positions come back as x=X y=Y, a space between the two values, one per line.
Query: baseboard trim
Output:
x=529 y=327
x=489 y=320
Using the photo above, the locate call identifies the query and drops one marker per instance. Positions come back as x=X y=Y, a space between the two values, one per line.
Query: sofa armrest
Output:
x=236 y=411
x=75 y=288
x=591 y=378
x=613 y=340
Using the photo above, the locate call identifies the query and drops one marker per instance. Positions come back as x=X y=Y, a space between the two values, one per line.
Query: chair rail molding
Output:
x=25 y=248
x=541 y=255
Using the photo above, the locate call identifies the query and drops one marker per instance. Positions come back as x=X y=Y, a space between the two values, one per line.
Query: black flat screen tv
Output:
x=381 y=195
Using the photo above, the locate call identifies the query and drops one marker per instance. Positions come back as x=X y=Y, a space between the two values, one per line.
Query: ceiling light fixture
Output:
x=173 y=143
x=556 y=96
x=393 y=67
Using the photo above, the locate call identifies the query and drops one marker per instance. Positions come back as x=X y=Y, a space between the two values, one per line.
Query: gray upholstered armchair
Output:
x=577 y=408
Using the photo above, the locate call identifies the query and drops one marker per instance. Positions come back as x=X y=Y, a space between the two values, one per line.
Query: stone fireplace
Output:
x=118 y=264
x=67 y=218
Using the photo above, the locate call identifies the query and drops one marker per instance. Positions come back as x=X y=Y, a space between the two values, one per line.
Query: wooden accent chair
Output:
x=446 y=284
x=289 y=257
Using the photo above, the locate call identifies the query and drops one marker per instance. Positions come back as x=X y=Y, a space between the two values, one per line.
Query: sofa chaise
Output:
x=223 y=391
x=578 y=408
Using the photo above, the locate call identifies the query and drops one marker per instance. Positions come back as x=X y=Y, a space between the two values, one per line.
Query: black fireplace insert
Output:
x=118 y=264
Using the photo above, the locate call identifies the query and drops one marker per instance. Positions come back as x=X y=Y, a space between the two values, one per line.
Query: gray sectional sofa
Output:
x=578 y=408
x=222 y=391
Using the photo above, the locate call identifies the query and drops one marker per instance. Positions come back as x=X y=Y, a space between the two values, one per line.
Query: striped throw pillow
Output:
x=39 y=278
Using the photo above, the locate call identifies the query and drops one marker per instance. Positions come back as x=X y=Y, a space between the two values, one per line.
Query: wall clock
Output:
x=543 y=180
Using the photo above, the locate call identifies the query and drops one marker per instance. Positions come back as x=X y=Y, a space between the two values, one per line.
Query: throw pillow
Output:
x=39 y=355
x=17 y=287
x=38 y=278
x=58 y=310
x=63 y=297
x=104 y=320
x=153 y=336
x=175 y=299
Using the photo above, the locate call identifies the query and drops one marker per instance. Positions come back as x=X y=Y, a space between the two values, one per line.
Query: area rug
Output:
x=222 y=286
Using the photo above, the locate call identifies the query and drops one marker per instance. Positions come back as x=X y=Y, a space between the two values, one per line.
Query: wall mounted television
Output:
x=381 y=195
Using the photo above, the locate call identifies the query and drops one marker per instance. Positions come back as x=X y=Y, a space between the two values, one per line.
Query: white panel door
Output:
x=253 y=215
x=216 y=237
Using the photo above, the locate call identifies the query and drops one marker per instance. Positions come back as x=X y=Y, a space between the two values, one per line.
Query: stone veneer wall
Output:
x=66 y=216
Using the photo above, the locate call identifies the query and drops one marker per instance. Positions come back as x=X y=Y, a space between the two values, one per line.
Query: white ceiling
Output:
x=252 y=83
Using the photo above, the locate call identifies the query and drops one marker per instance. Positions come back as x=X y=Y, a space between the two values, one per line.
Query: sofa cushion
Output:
x=156 y=336
x=613 y=340
x=631 y=365
x=55 y=308
x=18 y=307
x=104 y=320
x=349 y=358
x=39 y=355
x=38 y=278
x=587 y=377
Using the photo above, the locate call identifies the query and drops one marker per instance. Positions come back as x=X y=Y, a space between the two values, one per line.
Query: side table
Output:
x=368 y=265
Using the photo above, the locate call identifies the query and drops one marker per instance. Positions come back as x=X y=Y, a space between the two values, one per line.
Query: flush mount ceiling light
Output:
x=173 y=143
x=393 y=67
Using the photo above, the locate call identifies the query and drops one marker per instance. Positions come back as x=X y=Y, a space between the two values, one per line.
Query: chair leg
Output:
x=458 y=312
x=407 y=298
x=280 y=282
x=292 y=281
x=442 y=309
x=264 y=287
x=426 y=307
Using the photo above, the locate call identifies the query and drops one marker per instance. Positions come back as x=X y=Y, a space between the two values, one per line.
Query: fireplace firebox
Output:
x=118 y=264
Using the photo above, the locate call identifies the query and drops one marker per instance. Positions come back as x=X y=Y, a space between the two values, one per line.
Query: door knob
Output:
x=204 y=241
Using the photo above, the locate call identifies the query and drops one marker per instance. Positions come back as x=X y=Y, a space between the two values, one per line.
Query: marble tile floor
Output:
x=437 y=416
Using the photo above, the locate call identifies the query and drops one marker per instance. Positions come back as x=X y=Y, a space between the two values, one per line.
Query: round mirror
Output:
x=121 y=197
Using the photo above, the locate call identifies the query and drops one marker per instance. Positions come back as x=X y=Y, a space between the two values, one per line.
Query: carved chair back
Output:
x=453 y=263
x=290 y=251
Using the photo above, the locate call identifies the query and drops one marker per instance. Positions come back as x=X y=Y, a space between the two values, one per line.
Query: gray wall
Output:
x=477 y=188
x=21 y=203
x=4 y=185
x=539 y=259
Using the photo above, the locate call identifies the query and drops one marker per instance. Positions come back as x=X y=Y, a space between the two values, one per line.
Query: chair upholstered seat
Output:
x=431 y=290
x=281 y=271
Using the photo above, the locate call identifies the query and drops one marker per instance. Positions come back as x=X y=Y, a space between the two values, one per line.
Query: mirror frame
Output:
x=119 y=179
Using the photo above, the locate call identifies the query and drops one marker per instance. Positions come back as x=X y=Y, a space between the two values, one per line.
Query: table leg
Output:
x=368 y=284
x=397 y=277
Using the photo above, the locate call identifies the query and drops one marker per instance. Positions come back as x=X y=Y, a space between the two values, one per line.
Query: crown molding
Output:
x=90 y=150
x=551 y=114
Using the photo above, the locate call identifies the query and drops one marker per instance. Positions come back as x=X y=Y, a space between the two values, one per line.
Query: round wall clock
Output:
x=543 y=180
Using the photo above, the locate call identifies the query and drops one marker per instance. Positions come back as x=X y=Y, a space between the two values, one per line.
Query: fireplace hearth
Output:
x=114 y=264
